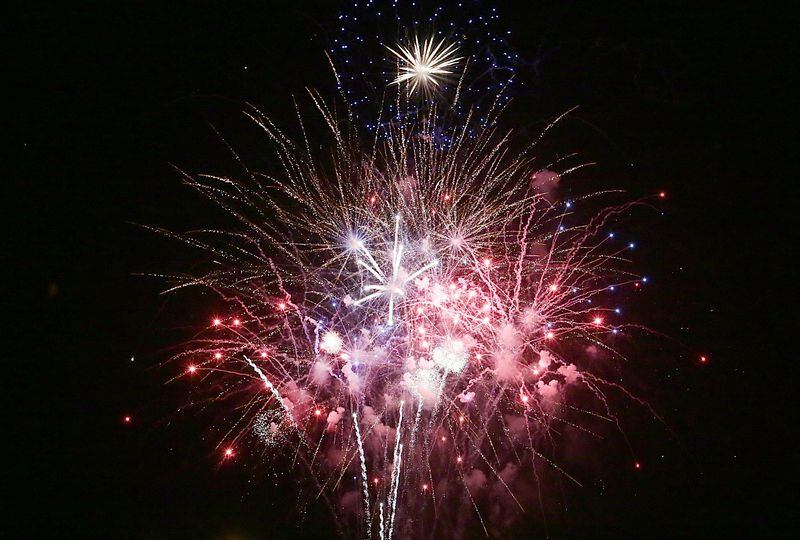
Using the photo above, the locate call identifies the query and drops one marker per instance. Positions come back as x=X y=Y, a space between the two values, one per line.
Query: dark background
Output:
x=687 y=97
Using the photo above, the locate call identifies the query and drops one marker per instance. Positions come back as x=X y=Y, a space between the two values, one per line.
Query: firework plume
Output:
x=400 y=317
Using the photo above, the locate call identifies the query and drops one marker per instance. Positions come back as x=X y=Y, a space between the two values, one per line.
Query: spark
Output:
x=392 y=286
x=424 y=66
x=331 y=342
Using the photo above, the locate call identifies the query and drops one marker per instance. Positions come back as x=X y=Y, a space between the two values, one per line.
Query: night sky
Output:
x=106 y=101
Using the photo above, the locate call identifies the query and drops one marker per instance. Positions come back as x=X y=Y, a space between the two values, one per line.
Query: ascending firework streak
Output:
x=433 y=267
x=363 y=474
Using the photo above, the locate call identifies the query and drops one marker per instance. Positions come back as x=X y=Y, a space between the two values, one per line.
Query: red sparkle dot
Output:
x=217 y=322
x=525 y=399
x=704 y=359
x=598 y=321
x=217 y=356
x=375 y=481
x=282 y=306
x=662 y=194
x=192 y=369
x=638 y=465
x=553 y=287
x=317 y=412
x=459 y=459
x=444 y=439
x=447 y=197
x=229 y=452
x=461 y=418
x=236 y=322
x=487 y=262
x=263 y=354
x=425 y=487
x=549 y=335
x=127 y=419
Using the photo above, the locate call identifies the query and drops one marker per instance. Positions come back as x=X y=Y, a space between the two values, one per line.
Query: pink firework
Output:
x=404 y=320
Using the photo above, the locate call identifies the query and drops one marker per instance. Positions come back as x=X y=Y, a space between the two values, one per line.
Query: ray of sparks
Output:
x=424 y=67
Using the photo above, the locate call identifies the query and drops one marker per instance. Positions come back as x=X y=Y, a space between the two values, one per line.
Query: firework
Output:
x=405 y=319
x=358 y=46
x=424 y=67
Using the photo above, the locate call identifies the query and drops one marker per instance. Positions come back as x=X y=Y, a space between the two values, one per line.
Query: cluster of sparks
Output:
x=407 y=322
x=424 y=67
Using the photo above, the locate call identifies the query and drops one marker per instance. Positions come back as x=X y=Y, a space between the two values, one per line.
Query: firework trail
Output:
x=433 y=267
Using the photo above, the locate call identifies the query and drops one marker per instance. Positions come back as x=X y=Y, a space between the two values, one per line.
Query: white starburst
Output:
x=424 y=67
x=394 y=284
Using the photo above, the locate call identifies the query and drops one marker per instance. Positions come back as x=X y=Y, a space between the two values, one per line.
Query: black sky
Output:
x=689 y=98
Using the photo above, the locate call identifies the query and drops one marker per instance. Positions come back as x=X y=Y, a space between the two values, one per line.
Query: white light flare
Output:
x=392 y=286
x=424 y=66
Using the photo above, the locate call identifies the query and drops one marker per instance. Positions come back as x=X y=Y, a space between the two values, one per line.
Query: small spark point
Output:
x=638 y=465
x=459 y=459
x=191 y=369
x=703 y=359
x=217 y=322
x=444 y=439
x=236 y=322
x=127 y=419
x=487 y=262
x=598 y=321
x=263 y=354
x=553 y=287
x=425 y=487
x=525 y=399
x=317 y=412
x=662 y=194
x=217 y=356
x=229 y=453
x=549 y=335
x=282 y=306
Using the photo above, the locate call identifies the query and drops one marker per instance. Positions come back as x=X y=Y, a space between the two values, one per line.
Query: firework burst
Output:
x=424 y=67
x=404 y=320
